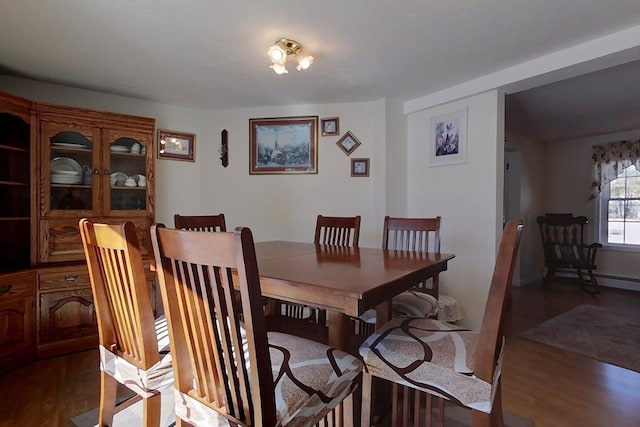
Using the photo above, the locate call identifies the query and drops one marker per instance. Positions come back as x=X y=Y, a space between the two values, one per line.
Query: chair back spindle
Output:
x=414 y=234
x=200 y=222
x=335 y=230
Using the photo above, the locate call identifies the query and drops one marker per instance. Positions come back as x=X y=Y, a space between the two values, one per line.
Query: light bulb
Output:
x=304 y=63
x=279 y=69
x=277 y=54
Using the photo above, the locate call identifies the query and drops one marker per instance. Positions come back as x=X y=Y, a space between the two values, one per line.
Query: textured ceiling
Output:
x=602 y=102
x=212 y=53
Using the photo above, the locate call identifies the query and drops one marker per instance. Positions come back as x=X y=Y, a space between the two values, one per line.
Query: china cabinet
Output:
x=57 y=165
x=92 y=164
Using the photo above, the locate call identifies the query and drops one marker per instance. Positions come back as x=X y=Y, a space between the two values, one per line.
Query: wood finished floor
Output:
x=551 y=387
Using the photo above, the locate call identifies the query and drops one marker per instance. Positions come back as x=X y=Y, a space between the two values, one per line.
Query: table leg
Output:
x=338 y=324
x=383 y=313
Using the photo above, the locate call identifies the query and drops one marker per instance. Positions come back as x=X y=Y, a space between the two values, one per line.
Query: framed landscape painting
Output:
x=283 y=145
x=448 y=139
x=176 y=145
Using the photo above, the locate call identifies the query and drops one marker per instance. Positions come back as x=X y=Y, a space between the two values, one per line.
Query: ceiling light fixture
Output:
x=283 y=49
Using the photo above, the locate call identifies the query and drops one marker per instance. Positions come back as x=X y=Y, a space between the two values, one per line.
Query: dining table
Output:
x=345 y=281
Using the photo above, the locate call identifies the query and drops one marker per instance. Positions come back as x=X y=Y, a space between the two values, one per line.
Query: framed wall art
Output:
x=359 y=167
x=176 y=145
x=348 y=143
x=330 y=126
x=283 y=145
x=448 y=139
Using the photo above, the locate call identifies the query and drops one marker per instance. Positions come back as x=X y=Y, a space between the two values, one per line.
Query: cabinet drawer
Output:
x=16 y=285
x=71 y=278
x=61 y=241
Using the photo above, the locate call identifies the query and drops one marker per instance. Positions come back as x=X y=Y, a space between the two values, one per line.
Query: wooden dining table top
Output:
x=345 y=281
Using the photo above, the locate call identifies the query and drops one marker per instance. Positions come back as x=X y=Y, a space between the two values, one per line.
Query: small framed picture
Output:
x=330 y=126
x=448 y=139
x=176 y=145
x=348 y=143
x=359 y=167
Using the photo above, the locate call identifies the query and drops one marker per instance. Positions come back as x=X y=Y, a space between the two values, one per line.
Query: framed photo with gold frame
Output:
x=283 y=145
x=175 y=145
x=348 y=143
x=359 y=167
x=330 y=126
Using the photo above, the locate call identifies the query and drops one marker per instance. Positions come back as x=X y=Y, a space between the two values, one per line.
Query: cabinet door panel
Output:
x=66 y=315
x=128 y=156
x=66 y=149
x=17 y=320
x=16 y=325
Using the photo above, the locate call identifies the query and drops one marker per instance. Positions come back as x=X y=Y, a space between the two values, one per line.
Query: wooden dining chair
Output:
x=200 y=222
x=438 y=358
x=133 y=345
x=330 y=230
x=408 y=234
x=337 y=230
x=227 y=366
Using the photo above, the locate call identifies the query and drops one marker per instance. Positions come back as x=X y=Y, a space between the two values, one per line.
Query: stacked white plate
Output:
x=73 y=145
x=120 y=149
x=65 y=170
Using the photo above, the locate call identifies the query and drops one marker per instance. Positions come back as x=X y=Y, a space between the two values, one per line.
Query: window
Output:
x=620 y=209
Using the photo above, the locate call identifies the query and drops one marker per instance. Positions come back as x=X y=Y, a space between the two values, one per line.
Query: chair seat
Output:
x=309 y=378
x=408 y=303
x=145 y=383
x=414 y=303
x=429 y=355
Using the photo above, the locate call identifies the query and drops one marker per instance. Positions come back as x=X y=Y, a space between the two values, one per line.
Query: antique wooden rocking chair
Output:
x=565 y=250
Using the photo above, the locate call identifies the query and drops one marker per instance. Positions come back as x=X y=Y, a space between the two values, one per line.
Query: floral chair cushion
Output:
x=408 y=303
x=144 y=383
x=310 y=379
x=432 y=356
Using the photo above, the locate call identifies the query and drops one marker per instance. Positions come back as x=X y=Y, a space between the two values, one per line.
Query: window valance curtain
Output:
x=610 y=159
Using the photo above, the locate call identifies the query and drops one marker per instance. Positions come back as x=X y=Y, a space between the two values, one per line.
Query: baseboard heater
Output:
x=621 y=278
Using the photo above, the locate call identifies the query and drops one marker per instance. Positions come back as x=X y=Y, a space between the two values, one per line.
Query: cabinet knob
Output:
x=5 y=289
x=106 y=172
x=96 y=171
x=70 y=279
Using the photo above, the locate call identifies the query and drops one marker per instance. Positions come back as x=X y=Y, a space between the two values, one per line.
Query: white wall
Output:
x=533 y=176
x=464 y=195
x=396 y=160
x=568 y=166
x=285 y=207
x=274 y=206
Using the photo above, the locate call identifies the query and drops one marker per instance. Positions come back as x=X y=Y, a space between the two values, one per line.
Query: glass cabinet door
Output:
x=70 y=161
x=128 y=157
